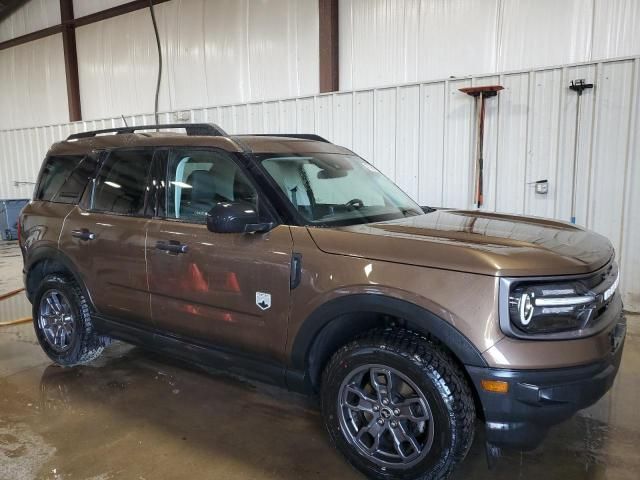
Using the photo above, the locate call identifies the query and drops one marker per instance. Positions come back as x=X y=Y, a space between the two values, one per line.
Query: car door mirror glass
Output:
x=236 y=217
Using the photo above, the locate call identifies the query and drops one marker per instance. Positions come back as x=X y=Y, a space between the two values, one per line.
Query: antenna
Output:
x=124 y=120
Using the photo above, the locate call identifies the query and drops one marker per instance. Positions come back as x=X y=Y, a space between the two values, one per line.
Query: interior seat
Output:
x=202 y=194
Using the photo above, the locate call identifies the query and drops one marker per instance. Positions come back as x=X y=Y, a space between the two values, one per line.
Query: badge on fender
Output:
x=263 y=300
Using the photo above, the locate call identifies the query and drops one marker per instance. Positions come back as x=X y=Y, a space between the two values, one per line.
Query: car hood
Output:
x=473 y=241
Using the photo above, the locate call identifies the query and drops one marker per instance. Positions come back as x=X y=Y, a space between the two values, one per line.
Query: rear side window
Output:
x=64 y=178
x=121 y=185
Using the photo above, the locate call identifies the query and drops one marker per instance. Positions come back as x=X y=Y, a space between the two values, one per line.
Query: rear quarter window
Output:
x=64 y=178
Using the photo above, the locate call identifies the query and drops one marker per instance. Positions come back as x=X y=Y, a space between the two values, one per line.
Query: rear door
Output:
x=105 y=236
x=220 y=289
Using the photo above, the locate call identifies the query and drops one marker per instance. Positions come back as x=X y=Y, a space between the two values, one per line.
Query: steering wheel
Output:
x=354 y=203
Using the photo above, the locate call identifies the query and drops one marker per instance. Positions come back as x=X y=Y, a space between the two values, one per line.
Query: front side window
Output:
x=338 y=189
x=64 y=178
x=198 y=179
x=121 y=185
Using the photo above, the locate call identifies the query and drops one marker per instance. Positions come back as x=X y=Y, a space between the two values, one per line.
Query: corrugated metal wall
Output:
x=213 y=52
x=33 y=84
x=82 y=8
x=421 y=135
x=222 y=51
x=32 y=16
x=417 y=40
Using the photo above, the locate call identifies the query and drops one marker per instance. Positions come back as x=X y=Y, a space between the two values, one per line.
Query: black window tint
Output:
x=64 y=178
x=122 y=182
x=156 y=200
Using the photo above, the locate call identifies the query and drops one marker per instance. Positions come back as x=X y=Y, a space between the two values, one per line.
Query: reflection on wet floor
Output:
x=10 y=267
x=135 y=414
x=15 y=307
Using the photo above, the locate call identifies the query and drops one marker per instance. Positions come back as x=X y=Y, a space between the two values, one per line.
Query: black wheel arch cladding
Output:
x=338 y=321
x=46 y=260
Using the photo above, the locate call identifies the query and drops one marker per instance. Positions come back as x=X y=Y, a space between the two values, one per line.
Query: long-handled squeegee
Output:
x=577 y=86
x=480 y=93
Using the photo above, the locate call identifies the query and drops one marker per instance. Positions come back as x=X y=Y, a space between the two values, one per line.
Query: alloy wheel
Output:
x=385 y=416
x=56 y=320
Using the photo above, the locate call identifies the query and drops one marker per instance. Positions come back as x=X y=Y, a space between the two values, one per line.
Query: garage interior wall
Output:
x=213 y=53
x=222 y=51
x=418 y=40
x=32 y=16
x=420 y=134
x=33 y=89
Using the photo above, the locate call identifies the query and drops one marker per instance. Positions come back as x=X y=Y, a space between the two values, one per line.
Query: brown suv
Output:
x=292 y=260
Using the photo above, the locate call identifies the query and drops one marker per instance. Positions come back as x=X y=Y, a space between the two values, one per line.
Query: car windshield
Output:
x=338 y=189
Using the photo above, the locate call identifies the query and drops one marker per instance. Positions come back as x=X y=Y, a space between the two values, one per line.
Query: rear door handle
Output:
x=172 y=246
x=83 y=234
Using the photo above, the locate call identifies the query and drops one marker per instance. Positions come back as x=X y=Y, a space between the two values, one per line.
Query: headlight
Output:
x=556 y=308
x=546 y=308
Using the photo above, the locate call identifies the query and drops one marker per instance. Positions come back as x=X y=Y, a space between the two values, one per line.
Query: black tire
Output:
x=441 y=383
x=85 y=343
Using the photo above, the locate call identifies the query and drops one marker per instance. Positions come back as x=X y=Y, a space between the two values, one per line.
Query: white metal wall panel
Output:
x=33 y=89
x=458 y=145
x=422 y=135
x=214 y=53
x=385 y=42
x=433 y=98
x=611 y=145
x=32 y=16
x=543 y=132
x=82 y=8
x=630 y=258
x=384 y=131
x=117 y=66
x=414 y=40
x=407 y=140
x=512 y=142
x=616 y=32
x=535 y=33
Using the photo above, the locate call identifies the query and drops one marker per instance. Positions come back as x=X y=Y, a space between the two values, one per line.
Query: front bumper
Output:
x=539 y=399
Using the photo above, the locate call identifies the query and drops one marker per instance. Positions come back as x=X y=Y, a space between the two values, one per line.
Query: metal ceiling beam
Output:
x=70 y=60
x=79 y=22
x=329 y=53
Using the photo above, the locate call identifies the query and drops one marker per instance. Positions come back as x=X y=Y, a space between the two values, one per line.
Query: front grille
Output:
x=599 y=285
x=618 y=333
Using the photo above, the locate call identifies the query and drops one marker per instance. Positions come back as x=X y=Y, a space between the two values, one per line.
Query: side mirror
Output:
x=236 y=217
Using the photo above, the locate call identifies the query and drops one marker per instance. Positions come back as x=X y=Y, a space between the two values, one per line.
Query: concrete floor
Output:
x=136 y=415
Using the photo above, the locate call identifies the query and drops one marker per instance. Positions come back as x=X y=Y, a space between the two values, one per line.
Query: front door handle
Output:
x=172 y=246
x=83 y=234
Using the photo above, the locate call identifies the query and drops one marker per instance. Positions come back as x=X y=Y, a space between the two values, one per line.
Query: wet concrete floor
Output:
x=133 y=414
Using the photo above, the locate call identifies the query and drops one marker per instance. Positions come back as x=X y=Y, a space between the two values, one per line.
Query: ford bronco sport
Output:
x=292 y=260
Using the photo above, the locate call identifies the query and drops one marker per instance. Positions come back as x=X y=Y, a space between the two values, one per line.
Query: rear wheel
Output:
x=398 y=406
x=63 y=324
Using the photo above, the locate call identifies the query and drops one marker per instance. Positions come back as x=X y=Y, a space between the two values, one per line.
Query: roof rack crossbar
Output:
x=192 y=129
x=304 y=136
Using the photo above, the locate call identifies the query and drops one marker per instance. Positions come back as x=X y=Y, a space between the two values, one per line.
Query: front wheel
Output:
x=397 y=406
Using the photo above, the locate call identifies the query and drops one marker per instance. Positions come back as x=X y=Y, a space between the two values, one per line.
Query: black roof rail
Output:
x=192 y=129
x=304 y=136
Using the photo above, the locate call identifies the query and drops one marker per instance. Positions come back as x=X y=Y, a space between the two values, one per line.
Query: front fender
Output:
x=416 y=318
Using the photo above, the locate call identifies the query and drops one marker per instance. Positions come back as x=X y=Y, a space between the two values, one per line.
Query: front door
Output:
x=223 y=290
